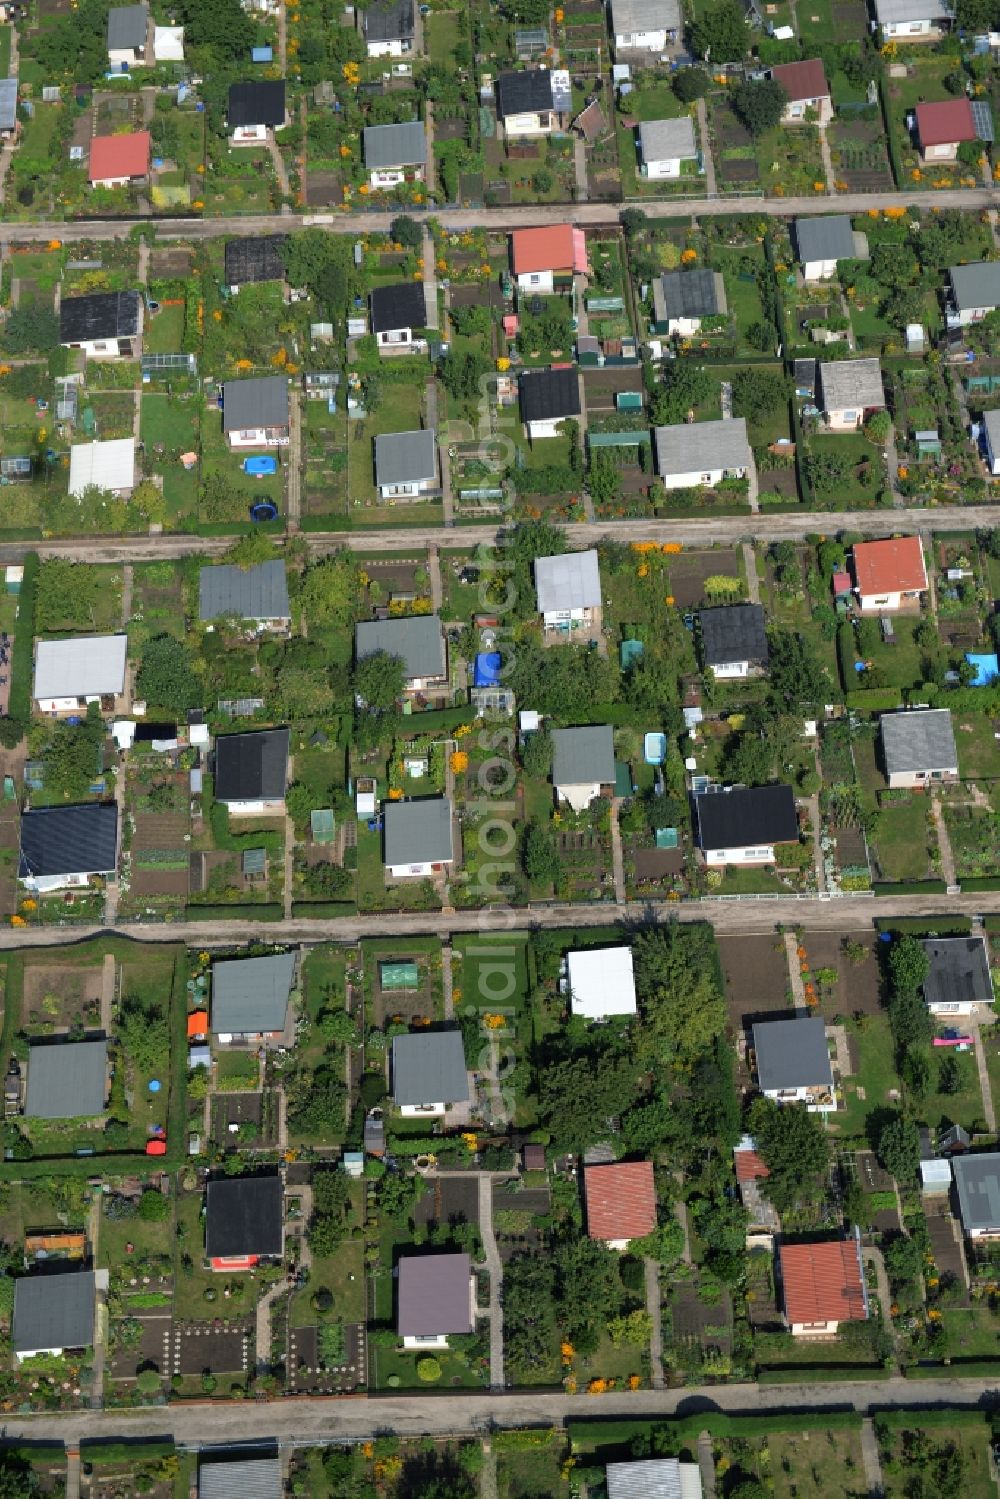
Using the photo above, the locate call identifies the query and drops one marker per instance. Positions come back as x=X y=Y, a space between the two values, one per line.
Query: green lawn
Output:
x=972 y=1332
x=399 y=411
x=497 y=979
x=875 y=1078
x=164 y=331
x=978 y=751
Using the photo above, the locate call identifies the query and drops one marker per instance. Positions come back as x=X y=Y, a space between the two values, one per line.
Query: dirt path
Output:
x=495 y=1268
x=824 y=151
x=617 y=857
x=750 y=564
x=447 y=980
x=289 y=865
x=989 y=1110
x=580 y=169
x=944 y=843
x=871 y=1459
x=655 y=1315
x=107 y=992
x=293 y=497
x=706 y=150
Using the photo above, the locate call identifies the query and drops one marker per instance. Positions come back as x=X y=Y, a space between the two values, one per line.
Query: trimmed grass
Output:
x=978 y=751
x=816 y=1464
x=875 y=1078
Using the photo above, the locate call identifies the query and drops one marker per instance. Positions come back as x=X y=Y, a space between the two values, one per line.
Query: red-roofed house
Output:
x=886 y=573
x=117 y=160
x=942 y=127
x=806 y=86
x=621 y=1201
x=539 y=255
x=822 y=1286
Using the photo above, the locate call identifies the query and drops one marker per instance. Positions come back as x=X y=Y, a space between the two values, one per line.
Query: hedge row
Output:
x=991 y=924
x=982 y=882
x=874 y=699
x=943 y=926
x=973 y=1368
x=828 y=1374
x=323 y=910
x=439 y=719
x=903 y=1420
x=909 y=887
x=140 y=1450
x=589 y=1436
x=268 y=912
x=22 y=656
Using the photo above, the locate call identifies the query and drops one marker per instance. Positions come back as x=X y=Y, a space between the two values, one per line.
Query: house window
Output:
x=706 y=478
x=850 y=416
x=534 y=280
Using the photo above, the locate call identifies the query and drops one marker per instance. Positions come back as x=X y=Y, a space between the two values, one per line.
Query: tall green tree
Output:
x=676 y=980
x=793 y=1146
x=166 y=677
x=759 y=105
x=721 y=34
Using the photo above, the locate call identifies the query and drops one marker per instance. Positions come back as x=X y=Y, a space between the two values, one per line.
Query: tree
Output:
x=759 y=106
x=536 y=754
x=757 y=393
x=684 y=387
x=528 y=1313
x=153 y=1207
x=633 y=222
x=406 y=232
x=796 y=673
x=31 y=329
x=72 y=755
x=908 y=965
x=747 y=759
x=898 y=1147
x=792 y=1145
x=721 y=34
x=17 y=1478
x=581 y=1090
x=539 y=858
x=331 y=1204
x=588 y=1288
x=323 y=264
x=689 y=84
x=949 y=1075
x=463 y=375
x=316 y=1101
x=144 y=1033
x=675 y=979
x=332 y=594
x=378 y=682
x=877 y=427
x=251 y=550
x=221 y=25
x=562 y=682
x=166 y=677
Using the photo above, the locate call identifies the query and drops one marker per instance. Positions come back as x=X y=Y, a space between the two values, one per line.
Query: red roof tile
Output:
x=822 y=1282
x=945 y=122
x=621 y=1200
x=749 y=1166
x=113 y=156
x=555 y=247
x=893 y=566
x=802 y=80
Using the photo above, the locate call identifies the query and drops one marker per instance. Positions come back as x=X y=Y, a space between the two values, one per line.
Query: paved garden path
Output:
x=293 y=498
x=655 y=1314
x=73 y=1471
x=706 y=1462
x=430 y=274
x=750 y=564
x=989 y=1110
x=828 y=172
x=447 y=980
x=944 y=842
x=495 y=1268
x=107 y=992
x=794 y=971
x=872 y=1461
x=873 y=1257
x=617 y=858
x=289 y=865
x=488 y=1473
x=580 y=169
x=706 y=149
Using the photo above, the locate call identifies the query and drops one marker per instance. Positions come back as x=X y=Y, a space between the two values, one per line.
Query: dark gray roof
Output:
x=418 y=832
x=251 y=767
x=851 y=384
x=260 y=103
x=395 y=145
x=668 y=140
x=67 y=1079
x=733 y=632
x=523 y=93
x=585 y=756
x=550 y=395
x=918 y=739
x=406 y=457
x=102 y=314
x=54 y=1311
x=259 y=592
x=703 y=447
x=398 y=306
x=241 y=1478
x=252 y=260
x=792 y=1054
x=127 y=26
x=388 y=21
x=69 y=840
x=688 y=294
x=261 y=402
x=745 y=817
x=429 y=1067
x=251 y=994
x=977 y=1181
x=434 y=1295
x=959 y=971
x=244 y=1215
x=417 y=641
x=976 y=285
x=830 y=237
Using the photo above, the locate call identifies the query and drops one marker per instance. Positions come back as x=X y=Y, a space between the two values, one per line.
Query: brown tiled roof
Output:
x=944 y=122
x=621 y=1200
x=822 y=1282
x=892 y=566
x=802 y=80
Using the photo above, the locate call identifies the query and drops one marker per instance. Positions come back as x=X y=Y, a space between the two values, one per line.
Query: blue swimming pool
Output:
x=260 y=466
x=654 y=748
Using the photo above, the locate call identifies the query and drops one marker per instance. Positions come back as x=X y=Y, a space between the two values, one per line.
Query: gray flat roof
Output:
x=584 y=756
x=991 y=421
x=395 y=145
x=53 y=1311
x=259 y=592
x=570 y=581
x=653 y=1478
x=792 y=1054
x=262 y=402
x=918 y=739
x=406 y=457
x=668 y=140
x=251 y=994
x=127 y=26
x=418 y=832
x=851 y=384
x=976 y=284
x=243 y=1478
x=702 y=447
x=434 y=1295
x=959 y=971
x=629 y=16
x=8 y=103
x=417 y=641
x=688 y=294
x=429 y=1067
x=66 y=1079
x=80 y=666
x=828 y=238
x=977 y=1180
x=894 y=11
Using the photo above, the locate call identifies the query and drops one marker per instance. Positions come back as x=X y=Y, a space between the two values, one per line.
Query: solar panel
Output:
x=982 y=118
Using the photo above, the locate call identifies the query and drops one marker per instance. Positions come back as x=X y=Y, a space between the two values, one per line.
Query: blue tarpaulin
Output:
x=487 y=670
x=260 y=466
x=987 y=668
